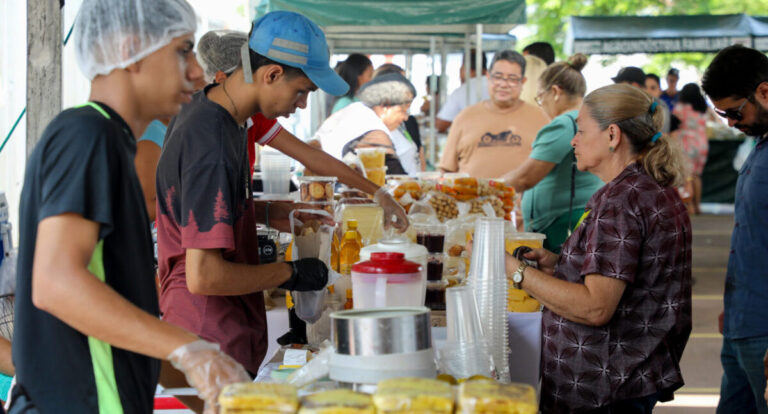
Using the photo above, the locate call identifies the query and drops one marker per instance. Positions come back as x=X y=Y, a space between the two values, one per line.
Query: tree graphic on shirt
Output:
x=220 y=211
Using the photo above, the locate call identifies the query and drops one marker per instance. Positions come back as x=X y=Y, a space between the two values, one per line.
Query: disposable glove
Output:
x=208 y=370
x=394 y=214
x=308 y=274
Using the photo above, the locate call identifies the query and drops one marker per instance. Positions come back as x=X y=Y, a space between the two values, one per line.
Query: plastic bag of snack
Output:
x=445 y=206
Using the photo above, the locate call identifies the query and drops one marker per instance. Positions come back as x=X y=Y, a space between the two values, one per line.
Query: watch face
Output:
x=517 y=277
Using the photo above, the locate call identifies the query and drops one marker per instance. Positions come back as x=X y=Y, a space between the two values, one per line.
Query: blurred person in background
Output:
x=407 y=137
x=617 y=301
x=653 y=85
x=671 y=95
x=356 y=70
x=383 y=107
x=457 y=100
x=737 y=83
x=541 y=50
x=534 y=67
x=691 y=110
x=493 y=137
x=554 y=191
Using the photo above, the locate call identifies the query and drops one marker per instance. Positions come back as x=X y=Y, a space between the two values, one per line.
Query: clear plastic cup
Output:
x=377 y=175
x=463 y=320
x=371 y=157
x=275 y=172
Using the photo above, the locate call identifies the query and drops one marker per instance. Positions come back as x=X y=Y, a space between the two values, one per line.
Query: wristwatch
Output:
x=518 y=276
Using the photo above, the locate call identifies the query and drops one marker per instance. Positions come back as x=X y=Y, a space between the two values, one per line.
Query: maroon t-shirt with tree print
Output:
x=204 y=201
x=638 y=232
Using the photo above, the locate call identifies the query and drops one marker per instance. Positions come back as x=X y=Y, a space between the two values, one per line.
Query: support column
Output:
x=43 y=67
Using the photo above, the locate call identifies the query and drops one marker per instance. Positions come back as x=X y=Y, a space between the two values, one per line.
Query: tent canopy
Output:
x=659 y=34
x=395 y=26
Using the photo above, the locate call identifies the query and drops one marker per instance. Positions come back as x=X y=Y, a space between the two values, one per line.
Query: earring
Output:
x=611 y=149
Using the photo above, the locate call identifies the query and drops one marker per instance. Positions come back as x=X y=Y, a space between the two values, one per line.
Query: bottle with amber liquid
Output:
x=349 y=253
x=352 y=226
x=349 y=304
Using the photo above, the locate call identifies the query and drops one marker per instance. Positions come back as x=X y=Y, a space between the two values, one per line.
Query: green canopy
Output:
x=659 y=34
x=393 y=26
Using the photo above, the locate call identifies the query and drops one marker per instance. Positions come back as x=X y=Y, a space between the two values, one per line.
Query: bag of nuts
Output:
x=446 y=208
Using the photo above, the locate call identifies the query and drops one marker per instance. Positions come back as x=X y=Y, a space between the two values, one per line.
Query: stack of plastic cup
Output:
x=275 y=172
x=466 y=351
x=487 y=275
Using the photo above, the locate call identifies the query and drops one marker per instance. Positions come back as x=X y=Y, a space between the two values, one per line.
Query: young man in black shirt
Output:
x=87 y=334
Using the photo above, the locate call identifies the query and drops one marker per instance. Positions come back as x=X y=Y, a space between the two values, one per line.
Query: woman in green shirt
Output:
x=555 y=193
x=357 y=69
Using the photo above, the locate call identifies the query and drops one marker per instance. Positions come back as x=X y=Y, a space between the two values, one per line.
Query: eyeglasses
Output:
x=538 y=97
x=512 y=80
x=734 y=114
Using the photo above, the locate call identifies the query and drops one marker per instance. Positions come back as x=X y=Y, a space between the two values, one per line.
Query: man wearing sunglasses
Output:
x=737 y=83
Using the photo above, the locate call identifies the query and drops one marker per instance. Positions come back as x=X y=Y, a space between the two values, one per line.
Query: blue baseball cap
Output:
x=293 y=40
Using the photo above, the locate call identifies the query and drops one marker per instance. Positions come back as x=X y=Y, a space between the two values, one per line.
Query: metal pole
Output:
x=43 y=67
x=433 y=86
x=443 y=64
x=479 y=60
x=408 y=63
x=466 y=66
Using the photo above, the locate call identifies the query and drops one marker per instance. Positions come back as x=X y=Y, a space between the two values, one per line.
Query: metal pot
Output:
x=381 y=331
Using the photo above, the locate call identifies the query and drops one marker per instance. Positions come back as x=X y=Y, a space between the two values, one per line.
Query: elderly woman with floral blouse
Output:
x=618 y=299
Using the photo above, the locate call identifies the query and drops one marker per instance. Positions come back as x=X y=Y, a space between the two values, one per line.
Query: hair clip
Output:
x=653 y=107
x=656 y=136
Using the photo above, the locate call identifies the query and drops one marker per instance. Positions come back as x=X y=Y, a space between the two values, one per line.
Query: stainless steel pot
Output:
x=381 y=331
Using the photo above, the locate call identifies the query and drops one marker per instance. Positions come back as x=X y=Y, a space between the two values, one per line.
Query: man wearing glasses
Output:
x=494 y=136
x=737 y=83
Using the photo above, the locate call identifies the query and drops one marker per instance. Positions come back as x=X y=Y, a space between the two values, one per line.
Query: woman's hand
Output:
x=544 y=258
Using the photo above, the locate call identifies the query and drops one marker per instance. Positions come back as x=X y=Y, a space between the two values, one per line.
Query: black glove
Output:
x=308 y=274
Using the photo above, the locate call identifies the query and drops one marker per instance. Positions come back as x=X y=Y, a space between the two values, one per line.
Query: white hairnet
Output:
x=219 y=50
x=111 y=34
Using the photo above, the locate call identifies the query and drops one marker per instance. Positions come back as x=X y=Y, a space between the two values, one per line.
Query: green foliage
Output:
x=549 y=19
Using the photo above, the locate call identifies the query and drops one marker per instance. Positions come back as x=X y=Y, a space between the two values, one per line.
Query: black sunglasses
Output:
x=731 y=113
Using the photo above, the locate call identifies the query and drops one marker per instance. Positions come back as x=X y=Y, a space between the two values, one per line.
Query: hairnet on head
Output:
x=219 y=50
x=112 y=34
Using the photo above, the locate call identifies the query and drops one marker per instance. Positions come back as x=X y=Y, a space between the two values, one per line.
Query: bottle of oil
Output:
x=352 y=226
x=349 y=304
x=349 y=253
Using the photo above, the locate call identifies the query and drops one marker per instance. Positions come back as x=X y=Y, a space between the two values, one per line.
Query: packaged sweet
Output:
x=314 y=189
x=487 y=396
x=413 y=395
x=258 y=397
x=337 y=402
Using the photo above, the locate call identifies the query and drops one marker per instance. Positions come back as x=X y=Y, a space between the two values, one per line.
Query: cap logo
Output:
x=286 y=57
x=289 y=44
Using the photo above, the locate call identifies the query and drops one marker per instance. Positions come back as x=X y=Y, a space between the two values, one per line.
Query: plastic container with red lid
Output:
x=386 y=280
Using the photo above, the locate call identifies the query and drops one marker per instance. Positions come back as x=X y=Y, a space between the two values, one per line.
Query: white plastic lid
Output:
x=412 y=251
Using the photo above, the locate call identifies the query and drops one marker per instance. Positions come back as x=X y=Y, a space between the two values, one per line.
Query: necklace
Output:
x=224 y=87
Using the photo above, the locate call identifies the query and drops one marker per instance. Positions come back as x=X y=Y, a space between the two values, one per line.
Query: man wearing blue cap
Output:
x=210 y=278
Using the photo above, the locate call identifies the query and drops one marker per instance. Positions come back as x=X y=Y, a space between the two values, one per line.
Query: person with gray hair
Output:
x=493 y=137
x=88 y=337
x=383 y=105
